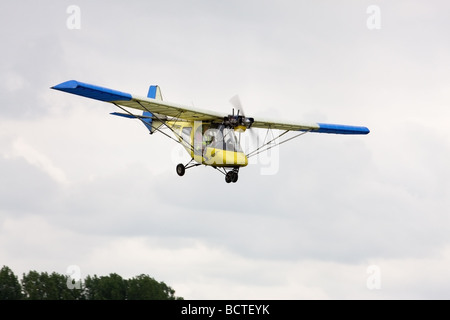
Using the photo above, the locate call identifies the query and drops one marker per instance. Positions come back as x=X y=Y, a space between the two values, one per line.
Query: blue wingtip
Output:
x=92 y=91
x=71 y=84
x=341 y=129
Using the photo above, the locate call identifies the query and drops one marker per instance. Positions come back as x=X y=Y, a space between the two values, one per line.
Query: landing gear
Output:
x=231 y=176
x=181 y=169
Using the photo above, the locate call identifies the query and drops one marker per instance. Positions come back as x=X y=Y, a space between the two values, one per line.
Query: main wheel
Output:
x=229 y=177
x=181 y=170
x=234 y=177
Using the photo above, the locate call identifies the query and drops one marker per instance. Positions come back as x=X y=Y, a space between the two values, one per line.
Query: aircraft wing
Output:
x=312 y=127
x=190 y=113
x=142 y=103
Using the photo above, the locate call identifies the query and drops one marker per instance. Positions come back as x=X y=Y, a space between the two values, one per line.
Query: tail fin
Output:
x=154 y=92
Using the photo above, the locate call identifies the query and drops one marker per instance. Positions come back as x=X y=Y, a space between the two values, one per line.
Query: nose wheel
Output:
x=181 y=169
x=231 y=176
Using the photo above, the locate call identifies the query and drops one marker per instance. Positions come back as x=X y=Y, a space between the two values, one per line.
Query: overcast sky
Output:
x=324 y=217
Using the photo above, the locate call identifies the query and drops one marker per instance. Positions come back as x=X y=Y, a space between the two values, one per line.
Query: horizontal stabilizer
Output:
x=129 y=116
x=125 y=115
x=152 y=123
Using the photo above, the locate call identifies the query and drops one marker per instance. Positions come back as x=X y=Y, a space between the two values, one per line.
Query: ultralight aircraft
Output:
x=209 y=137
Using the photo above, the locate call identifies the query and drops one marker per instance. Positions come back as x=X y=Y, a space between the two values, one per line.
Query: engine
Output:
x=237 y=121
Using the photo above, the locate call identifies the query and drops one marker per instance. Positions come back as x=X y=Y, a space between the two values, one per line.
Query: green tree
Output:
x=31 y=286
x=54 y=286
x=10 y=288
x=58 y=289
x=143 y=287
x=42 y=286
x=112 y=287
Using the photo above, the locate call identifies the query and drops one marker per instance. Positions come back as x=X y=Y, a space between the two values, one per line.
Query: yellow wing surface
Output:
x=136 y=102
x=178 y=111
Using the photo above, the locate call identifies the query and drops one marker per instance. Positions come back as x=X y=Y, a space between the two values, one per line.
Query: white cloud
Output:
x=105 y=193
x=20 y=148
x=13 y=82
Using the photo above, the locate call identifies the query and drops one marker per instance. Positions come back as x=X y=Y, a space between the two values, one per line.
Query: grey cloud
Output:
x=25 y=189
x=344 y=200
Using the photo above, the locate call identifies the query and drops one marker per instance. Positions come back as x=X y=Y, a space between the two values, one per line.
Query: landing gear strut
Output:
x=230 y=176
x=181 y=168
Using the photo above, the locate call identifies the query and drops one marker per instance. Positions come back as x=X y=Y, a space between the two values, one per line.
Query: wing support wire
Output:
x=181 y=141
x=270 y=144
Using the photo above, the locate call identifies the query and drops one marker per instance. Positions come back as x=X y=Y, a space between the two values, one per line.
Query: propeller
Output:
x=240 y=119
x=236 y=102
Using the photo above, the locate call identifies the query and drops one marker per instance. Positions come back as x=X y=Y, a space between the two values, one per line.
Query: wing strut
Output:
x=157 y=129
x=173 y=131
x=269 y=144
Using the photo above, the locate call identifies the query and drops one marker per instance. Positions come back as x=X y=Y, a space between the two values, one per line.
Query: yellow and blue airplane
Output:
x=209 y=137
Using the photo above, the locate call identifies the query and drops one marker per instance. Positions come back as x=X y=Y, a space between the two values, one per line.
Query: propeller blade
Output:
x=236 y=102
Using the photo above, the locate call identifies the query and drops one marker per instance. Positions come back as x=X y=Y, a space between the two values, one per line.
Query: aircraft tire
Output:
x=229 y=177
x=234 y=177
x=181 y=170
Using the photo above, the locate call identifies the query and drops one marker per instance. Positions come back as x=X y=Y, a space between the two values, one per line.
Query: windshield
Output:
x=221 y=138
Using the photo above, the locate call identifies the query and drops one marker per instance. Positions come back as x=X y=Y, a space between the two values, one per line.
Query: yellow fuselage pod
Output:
x=224 y=158
x=193 y=135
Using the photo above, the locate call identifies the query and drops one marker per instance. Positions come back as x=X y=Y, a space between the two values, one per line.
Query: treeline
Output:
x=43 y=286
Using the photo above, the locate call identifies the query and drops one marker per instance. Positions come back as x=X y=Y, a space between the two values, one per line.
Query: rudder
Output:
x=154 y=92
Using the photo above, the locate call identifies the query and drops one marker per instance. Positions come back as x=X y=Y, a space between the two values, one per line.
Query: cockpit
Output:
x=221 y=138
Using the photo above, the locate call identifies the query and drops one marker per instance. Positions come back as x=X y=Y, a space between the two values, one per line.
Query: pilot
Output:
x=207 y=140
x=229 y=143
